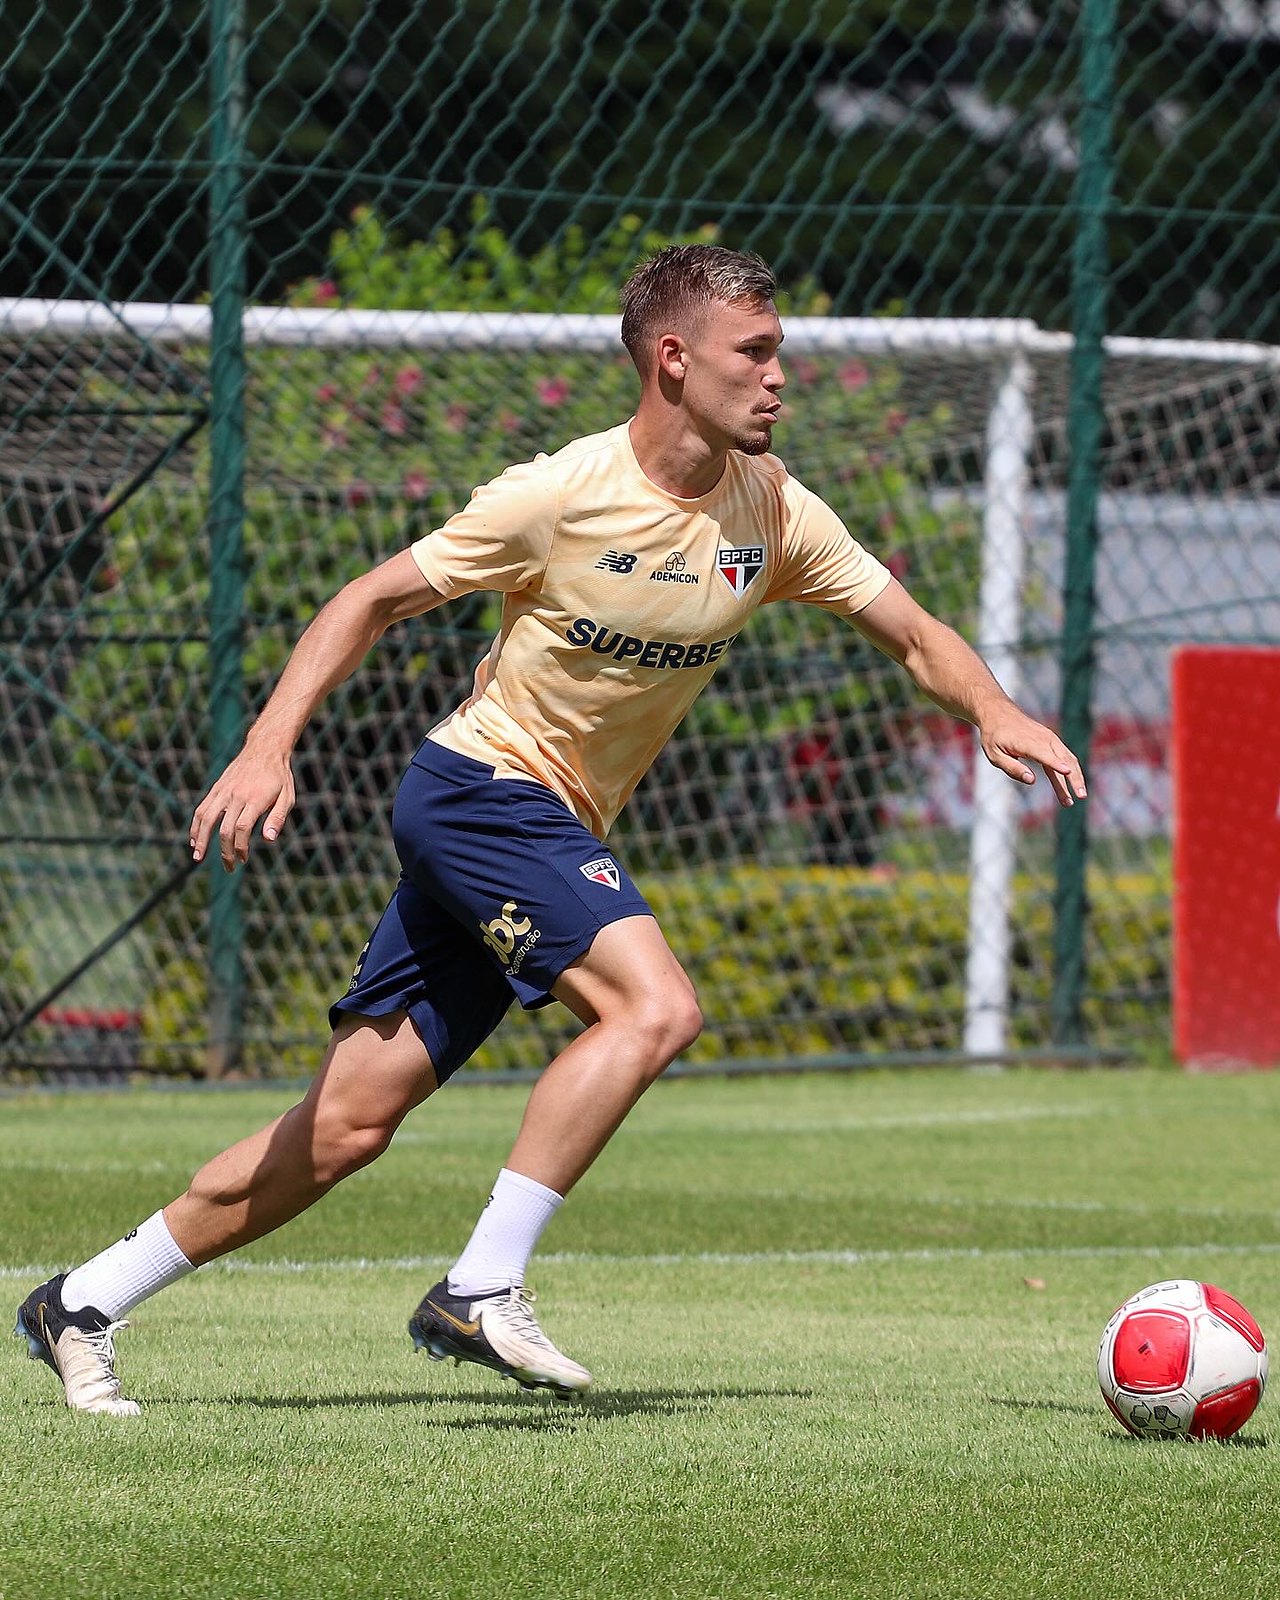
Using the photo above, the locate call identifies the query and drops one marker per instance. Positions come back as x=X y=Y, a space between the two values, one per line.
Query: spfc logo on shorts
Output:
x=738 y=567
x=603 y=871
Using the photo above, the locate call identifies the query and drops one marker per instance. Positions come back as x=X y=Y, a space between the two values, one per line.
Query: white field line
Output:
x=727 y=1128
x=716 y=1258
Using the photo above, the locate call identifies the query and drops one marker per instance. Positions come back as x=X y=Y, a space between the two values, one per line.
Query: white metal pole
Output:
x=993 y=840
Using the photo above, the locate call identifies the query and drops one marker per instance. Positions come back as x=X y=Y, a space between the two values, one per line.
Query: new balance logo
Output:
x=613 y=561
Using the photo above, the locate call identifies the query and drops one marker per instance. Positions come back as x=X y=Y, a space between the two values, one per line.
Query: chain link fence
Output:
x=181 y=487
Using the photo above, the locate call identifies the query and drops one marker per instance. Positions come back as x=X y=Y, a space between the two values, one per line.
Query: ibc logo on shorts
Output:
x=501 y=935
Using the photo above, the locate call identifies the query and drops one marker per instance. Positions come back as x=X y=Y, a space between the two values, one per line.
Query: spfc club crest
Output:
x=603 y=871
x=738 y=567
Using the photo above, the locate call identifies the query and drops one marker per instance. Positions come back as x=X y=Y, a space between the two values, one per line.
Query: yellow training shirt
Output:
x=620 y=600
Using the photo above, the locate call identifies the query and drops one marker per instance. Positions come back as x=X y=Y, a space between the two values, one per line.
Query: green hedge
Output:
x=887 y=977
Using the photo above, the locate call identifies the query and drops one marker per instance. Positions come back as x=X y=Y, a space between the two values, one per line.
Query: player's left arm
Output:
x=955 y=677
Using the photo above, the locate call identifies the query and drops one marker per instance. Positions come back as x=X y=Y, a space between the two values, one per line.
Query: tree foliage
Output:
x=897 y=151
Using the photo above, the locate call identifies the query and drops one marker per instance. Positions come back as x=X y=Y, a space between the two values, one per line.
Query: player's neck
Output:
x=676 y=458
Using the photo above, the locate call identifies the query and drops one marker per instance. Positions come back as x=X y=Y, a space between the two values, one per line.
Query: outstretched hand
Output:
x=1010 y=738
x=255 y=783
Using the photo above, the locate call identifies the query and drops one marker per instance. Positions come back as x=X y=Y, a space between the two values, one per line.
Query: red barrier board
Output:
x=1226 y=855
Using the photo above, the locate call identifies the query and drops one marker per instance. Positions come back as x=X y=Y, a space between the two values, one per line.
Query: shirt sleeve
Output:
x=500 y=540
x=820 y=562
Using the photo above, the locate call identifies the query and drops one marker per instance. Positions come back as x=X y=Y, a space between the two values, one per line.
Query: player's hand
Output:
x=1010 y=738
x=256 y=783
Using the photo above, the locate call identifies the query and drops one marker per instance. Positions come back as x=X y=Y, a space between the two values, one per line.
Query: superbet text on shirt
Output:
x=620 y=600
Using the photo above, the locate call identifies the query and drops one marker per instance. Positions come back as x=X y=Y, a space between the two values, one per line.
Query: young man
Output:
x=507 y=890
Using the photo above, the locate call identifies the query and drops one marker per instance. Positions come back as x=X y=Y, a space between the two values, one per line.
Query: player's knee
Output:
x=342 y=1148
x=668 y=1026
x=686 y=1023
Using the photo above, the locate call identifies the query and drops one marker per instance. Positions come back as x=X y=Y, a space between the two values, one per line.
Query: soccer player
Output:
x=628 y=562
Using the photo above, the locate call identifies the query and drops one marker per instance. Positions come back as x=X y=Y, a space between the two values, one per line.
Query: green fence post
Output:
x=1085 y=421
x=227 y=241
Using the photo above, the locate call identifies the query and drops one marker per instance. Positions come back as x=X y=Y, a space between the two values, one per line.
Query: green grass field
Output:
x=825 y=1362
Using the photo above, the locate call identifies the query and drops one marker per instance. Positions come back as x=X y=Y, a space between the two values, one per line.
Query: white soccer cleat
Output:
x=79 y=1346
x=499 y=1331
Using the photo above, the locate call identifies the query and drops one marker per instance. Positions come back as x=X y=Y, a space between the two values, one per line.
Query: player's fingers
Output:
x=278 y=814
x=233 y=835
x=1008 y=763
x=204 y=820
x=1059 y=784
x=1065 y=773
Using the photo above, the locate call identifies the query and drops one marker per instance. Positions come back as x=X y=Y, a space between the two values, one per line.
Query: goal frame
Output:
x=1006 y=347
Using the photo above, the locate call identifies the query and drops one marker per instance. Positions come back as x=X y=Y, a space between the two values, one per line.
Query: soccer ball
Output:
x=1182 y=1360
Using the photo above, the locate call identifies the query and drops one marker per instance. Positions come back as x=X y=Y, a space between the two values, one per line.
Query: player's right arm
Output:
x=260 y=780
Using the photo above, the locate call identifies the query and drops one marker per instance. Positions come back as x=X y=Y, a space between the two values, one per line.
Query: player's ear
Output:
x=672 y=356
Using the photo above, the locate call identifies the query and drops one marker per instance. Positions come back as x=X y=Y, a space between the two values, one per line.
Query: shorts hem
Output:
x=543 y=996
x=417 y=1011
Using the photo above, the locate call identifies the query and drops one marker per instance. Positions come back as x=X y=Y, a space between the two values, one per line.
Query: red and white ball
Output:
x=1182 y=1359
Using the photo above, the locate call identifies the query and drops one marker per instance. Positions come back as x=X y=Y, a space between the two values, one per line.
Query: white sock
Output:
x=145 y=1260
x=498 y=1251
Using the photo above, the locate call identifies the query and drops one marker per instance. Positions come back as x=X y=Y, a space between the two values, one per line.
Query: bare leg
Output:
x=641 y=1012
x=374 y=1072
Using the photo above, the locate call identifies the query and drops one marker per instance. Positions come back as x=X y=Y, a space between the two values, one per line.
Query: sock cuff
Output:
x=165 y=1250
x=530 y=1186
x=120 y=1277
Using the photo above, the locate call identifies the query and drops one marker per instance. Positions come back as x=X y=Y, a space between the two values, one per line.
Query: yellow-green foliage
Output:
x=882 y=973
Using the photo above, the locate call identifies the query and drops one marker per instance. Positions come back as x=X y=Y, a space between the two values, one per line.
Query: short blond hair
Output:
x=680 y=281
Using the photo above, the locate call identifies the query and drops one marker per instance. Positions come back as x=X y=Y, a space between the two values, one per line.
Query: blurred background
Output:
x=283 y=281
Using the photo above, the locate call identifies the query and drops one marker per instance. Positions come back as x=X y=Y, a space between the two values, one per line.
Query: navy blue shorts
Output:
x=501 y=888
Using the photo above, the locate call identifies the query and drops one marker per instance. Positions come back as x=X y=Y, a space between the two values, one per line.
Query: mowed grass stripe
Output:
x=821 y=1367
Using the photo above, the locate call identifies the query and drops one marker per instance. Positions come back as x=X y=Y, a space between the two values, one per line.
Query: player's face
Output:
x=734 y=379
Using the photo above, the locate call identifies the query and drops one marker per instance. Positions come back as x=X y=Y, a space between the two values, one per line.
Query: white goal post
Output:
x=1011 y=356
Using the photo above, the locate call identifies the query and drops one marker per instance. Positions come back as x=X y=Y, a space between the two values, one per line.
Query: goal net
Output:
x=844 y=879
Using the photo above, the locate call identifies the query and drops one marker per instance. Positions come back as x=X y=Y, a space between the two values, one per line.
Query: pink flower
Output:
x=895 y=421
x=456 y=418
x=416 y=486
x=898 y=564
x=394 y=420
x=327 y=392
x=357 y=493
x=854 y=376
x=409 y=380
x=325 y=292
x=553 y=391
